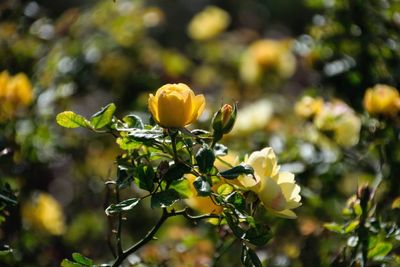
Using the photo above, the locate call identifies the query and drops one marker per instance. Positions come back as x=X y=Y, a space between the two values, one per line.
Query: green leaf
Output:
x=259 y=235
x=182 y=187
x=145 y=135
x=380 y=250
x=220 y=150
x=79 y=258
x=68 y=263
x=236 y=171
x=125 y=205
x=164 y=199
x=124 y=176
x=351 y=226
x=144 y=177
x=103 y=117
x=202 y=187
x=176 y=171
x=237 y=200
x=127 y=143
x=5 y=250
x=249 y=257
x=334 y=227
x=70 y=119
x=225 y=189
x=133 y=121
x=233 y=223
x=205 y=159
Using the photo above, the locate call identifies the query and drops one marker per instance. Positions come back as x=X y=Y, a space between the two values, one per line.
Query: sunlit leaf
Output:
x=70 y=119
x=380 y=250
x=79 y=258
x=103 y=117
x=125 y=205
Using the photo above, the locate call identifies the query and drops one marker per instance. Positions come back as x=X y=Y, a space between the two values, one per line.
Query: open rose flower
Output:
x=277 y=190
x=175 y=105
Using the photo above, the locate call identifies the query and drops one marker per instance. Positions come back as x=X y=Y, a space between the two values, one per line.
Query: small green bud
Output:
x=224 y=119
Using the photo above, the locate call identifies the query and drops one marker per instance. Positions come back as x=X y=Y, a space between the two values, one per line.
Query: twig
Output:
x=150 y=235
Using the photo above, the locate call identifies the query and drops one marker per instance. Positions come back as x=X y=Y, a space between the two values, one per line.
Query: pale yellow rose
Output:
x=44 y=213
x=308 y=106
x=339 y=118
x=277 y=190
x=382 y=99
x=175 y=105
x=208 y=24
x=253 y=117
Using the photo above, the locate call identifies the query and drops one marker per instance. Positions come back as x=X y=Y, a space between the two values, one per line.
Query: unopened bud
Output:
x=224 y=119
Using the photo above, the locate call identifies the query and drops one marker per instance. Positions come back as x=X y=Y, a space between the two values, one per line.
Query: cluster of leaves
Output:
x=369 y=239
x=159 y=160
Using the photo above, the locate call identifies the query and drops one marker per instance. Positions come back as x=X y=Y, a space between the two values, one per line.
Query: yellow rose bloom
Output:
x=267 y=55
x=44 y=213
x=208 y=24
x=277 y=190
x=175 y=105
x=308 y=106
x=382 y=99
x=20 y=89
x=15 y=91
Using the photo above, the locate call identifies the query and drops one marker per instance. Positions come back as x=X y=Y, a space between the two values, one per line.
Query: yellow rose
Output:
x=209 y=23
x=205 y=204
x=20 y=89
x=175 y=105
x=308 y=106
x=267 y=55
x=15 y=91
x=382 y=99
x=44 y=213
x=277 y=190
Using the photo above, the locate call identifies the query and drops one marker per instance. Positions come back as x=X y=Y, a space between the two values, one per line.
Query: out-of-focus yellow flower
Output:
x=308 y=106
x=338 y=117
x=252 y=117
x=277 y=190
x=15 y=92
x=208 y=24
x=44 y=213
x=205 y=204
x=265 y=56
x=175 y=105
x=382 y=99
x=199 y=203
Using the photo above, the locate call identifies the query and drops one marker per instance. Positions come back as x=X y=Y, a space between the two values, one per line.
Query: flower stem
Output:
x=150 y=235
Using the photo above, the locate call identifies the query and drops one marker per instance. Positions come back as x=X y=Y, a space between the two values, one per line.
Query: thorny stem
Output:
x=150 y=235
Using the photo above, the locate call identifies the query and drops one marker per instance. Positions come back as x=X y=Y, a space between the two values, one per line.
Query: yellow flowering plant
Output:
x=182 y=173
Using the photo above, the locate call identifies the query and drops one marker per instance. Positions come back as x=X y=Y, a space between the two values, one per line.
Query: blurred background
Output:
x=265 y=54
